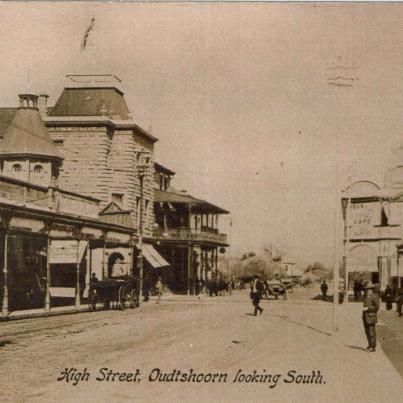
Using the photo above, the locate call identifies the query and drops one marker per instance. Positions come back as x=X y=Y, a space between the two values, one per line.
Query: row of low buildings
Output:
x=74 y=180
x=373 y=230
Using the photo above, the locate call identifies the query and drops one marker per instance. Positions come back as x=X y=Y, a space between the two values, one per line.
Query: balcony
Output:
x=190 y=234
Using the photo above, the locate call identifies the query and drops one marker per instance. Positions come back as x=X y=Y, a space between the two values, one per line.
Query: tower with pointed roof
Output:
x=27 y=152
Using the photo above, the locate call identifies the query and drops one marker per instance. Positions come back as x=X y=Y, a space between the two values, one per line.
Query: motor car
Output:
x=274 y=288
x=287 y=284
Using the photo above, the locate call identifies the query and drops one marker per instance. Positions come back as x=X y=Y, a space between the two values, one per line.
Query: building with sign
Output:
x=78 y=197
x=187 y=235
x=373 y=230
x=51 y=239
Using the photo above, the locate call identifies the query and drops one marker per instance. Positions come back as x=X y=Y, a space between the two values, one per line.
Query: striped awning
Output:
x=153 y=257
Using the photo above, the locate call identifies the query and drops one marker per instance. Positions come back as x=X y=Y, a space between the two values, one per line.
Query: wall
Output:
x=85 y=168
x=98 y=163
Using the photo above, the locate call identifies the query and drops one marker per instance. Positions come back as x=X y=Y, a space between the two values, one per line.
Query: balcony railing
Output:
x=190 y=234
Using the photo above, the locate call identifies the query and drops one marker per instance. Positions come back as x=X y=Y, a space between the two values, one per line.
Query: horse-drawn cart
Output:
x=113 y=293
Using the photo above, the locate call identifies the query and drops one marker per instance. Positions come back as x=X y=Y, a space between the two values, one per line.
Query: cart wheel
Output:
x=92 y=300
x=122 y=297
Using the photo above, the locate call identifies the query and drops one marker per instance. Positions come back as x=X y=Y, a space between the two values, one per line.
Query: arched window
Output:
x=17 y=168
x=38 y=169
x=116 y=265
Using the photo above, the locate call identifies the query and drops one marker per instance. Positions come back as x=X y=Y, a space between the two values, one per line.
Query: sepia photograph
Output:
x=201 y=201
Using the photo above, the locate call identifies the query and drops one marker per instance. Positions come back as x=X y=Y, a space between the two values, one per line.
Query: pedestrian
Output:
x=323 y=289
x=370 y=315
x=92 y=292
x=256 y=294
x=159 y=288
x=356 y=290
x=146 y=288
x=389 y=296
x=361 y=288
x=399 y=300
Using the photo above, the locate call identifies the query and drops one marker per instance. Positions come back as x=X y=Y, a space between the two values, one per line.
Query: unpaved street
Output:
x=216 y=335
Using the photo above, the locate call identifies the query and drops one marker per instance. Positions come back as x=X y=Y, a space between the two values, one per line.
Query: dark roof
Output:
x=197 y=205
x=91 y=101
x=27 y=135
x=160 y=168
x=6 y=117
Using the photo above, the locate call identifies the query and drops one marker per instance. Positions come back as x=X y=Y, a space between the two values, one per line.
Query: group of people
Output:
x=394 y=295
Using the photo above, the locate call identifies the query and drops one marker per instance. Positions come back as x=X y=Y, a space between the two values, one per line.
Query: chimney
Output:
x=28 y=101
x=43 y=104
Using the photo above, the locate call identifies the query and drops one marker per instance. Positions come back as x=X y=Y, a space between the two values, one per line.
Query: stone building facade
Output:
x=187 y=235
x=51 y=239
x=72 y=179
x=373 y=230
x=102 y=148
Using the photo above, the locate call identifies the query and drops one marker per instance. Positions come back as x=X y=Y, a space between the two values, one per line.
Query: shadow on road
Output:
x=285 y=318
x=357 y=348
x=328 y=298
x=3 y=343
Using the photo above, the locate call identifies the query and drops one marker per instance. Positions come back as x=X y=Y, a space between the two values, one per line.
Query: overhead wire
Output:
x=197 y=173
x=33 y=134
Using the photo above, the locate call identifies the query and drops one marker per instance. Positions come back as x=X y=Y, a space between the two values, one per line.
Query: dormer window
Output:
x=17 y=168
x=38 y=169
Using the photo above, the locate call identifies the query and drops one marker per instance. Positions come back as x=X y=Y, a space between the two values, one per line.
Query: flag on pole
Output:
x=87 y=33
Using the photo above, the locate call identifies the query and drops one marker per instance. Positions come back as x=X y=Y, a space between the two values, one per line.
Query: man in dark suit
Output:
x=256 y=294
x=369 y=315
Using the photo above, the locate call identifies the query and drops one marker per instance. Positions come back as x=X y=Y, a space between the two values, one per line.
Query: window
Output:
x=59 y=142
x=17 y=168
x=117 y=198
x=38 y=169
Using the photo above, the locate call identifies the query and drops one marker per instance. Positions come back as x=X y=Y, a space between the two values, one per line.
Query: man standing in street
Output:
x=389 y=297
x=399 y=300
x=369 y=315
x=159 y=289
x=323 y=289
x=256 y=294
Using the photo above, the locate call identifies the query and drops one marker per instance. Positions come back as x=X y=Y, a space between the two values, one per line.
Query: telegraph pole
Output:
x=336 y=262
x=140 y=243
x=142 y=171
x=229 y=257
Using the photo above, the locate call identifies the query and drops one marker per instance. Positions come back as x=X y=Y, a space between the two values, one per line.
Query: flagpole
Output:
x=229 y=257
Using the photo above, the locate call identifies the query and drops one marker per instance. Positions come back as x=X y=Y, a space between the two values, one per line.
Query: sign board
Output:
x=60 y=230
x=66 y=251
x=361 y=220
x=26 y=224
x=118 y=237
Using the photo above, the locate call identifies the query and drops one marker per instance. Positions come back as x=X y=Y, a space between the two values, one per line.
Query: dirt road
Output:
x=174 y=351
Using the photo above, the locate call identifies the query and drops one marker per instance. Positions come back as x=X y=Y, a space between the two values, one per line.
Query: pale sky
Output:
x=239 y=97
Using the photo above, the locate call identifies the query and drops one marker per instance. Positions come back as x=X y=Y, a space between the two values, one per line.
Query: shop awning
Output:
x=153 y=257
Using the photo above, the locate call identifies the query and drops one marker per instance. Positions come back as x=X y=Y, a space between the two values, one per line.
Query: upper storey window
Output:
x=17 y=168
x=38 y=169
x=117 y=198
